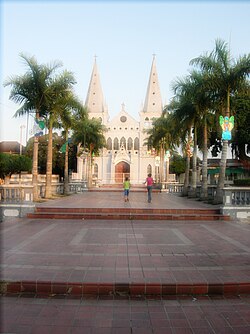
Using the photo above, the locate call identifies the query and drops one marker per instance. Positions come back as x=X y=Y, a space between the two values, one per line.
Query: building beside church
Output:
x=126 y=153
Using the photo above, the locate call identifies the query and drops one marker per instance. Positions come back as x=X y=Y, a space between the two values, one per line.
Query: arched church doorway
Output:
x=122 y=169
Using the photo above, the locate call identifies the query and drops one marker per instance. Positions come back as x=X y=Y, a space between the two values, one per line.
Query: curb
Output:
x=79 y=289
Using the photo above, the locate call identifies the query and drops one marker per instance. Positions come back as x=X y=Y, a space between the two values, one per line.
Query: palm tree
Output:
x=89 y=134
x=188 y=114
x=67 y=123
x=203 y=101
x=70 y=110
x=61 y=102
x=181 y=110
x=31 y=90
x=195 y=108
x=226 y=76
x=162 y=136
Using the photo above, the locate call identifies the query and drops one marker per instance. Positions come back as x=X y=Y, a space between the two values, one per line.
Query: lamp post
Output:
x=21 y=137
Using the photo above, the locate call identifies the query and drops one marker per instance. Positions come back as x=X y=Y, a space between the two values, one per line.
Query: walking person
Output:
x=149 y=182
x=126 y=186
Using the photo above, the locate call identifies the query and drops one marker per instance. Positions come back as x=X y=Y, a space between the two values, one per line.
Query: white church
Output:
x=126 y=153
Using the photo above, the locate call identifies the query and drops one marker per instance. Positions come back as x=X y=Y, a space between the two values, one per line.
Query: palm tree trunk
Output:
x=90 y=166
x=161 y=161
x=35 y=166
x=66 y=167
x=188 y=154
x=204 y=165
x=48 y=190
x=223 y=161
x=35 y=169
x=221 y=181
x=192 y=192
x=186 y=181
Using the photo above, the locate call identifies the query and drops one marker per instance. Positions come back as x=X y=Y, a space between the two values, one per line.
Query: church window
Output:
x=149 y=169
x=109 y=143
x=130 y=143
x=153 y=104
x=136 y=144
x=126 y=128
x=146 y=119
x=95 y=171
x=123 y=142
x=116 y=144
x=123 y=119
x=120 y=128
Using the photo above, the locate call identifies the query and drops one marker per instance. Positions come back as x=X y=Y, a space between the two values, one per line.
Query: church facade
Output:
x=126 y=153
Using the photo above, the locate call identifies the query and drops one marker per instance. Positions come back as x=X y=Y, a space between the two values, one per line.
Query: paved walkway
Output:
x=127 y=276
x=127 y=252
x=109 y=199
x=176 y=315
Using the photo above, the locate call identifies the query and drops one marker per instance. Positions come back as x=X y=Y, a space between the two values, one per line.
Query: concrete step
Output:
x=82 y=289
x=128 y=214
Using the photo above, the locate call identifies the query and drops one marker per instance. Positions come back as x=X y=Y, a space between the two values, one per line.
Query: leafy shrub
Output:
x=242 y=183
x=14 y=164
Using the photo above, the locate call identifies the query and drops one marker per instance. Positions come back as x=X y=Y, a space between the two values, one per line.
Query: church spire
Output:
x=95 y=101
x=153 y=101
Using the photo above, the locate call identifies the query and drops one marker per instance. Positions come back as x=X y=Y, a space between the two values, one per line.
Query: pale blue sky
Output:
x=123 y=35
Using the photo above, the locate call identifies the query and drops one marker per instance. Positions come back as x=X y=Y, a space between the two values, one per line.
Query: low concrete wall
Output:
x=15 y=210
x=236 y=202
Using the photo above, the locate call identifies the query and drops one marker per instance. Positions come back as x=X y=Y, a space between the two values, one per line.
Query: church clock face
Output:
x=123 y=119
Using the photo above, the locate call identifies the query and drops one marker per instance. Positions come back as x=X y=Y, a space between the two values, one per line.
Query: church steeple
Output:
x=95 y=103
x=153 y=101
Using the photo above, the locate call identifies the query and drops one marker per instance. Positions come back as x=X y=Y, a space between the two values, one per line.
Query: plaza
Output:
x=183 y=275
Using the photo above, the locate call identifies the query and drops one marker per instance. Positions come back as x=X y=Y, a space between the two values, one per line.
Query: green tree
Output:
x=60 y=103
x=31 y=91
x=187 y=112
x=226 y=77
x=14 y=164
x=67 y=123
x=89 y=133
x=177 y=164
x=58 y=157
x=240 y=106
x=162 y=136
x=179 y=107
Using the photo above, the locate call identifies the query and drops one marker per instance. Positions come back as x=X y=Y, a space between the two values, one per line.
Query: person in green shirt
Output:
x=126 y=186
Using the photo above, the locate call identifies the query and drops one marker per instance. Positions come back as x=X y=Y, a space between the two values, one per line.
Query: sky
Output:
x=123 y=35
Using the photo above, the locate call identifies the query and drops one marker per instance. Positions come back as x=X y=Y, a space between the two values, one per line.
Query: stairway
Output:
x=128 y=214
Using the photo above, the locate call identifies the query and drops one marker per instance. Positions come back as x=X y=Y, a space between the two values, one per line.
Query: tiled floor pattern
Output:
x=133 y=255
x=152 y=260
x=112 y=200
x=186 y=315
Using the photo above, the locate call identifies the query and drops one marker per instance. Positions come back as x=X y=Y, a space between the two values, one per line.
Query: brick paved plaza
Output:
x=125 y=275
